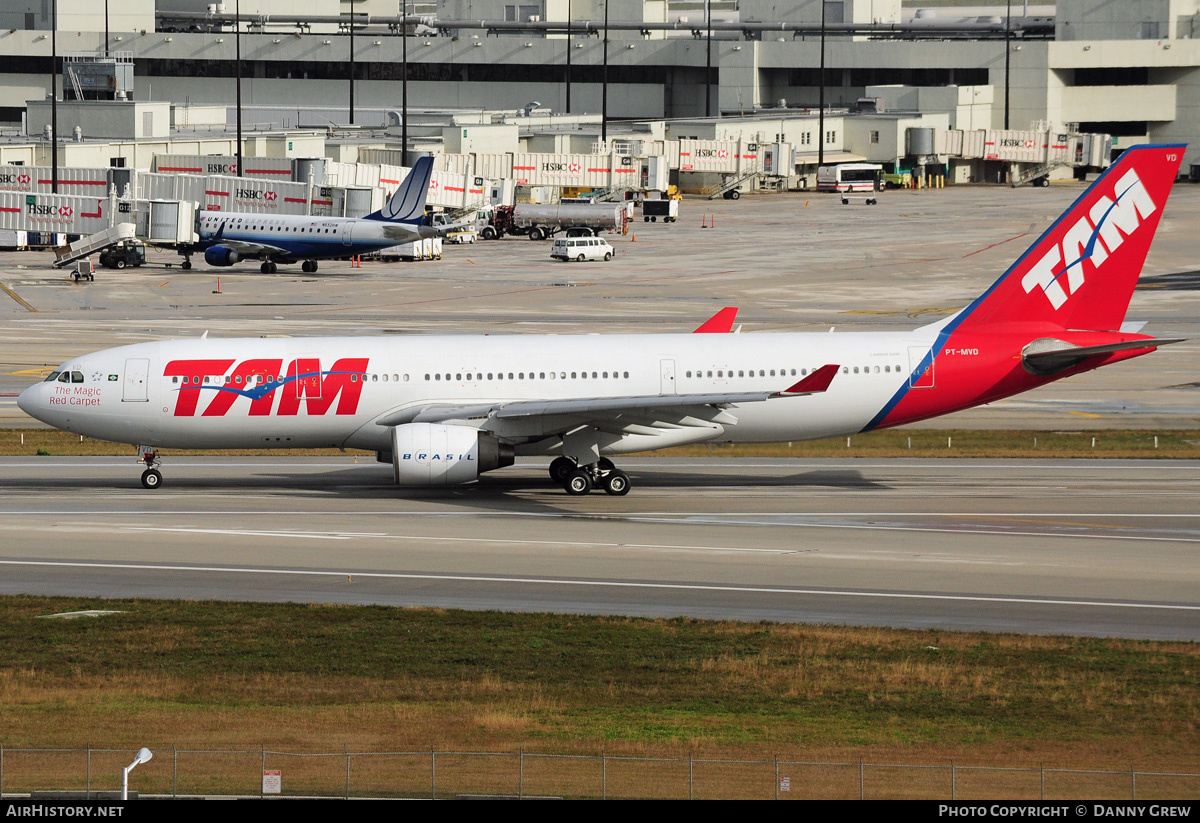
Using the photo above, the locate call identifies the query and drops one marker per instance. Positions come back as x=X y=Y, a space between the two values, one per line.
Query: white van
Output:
x=581 y=248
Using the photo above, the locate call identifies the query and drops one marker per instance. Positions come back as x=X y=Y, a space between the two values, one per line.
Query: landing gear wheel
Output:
x=616 y=483
x=265 y=268
x=578 y=482
x=185 y=265
x=151 y=478
x=560 y=467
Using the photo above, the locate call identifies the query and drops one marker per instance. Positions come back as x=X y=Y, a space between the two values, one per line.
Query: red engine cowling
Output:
x=428 y=454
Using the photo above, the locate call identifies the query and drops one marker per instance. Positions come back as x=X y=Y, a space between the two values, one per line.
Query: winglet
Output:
x=815 y=383
x=719 y=323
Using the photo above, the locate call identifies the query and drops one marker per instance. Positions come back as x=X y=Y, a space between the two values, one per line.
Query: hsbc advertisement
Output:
x=255 y=196
x=65 y=214
x=40 y=180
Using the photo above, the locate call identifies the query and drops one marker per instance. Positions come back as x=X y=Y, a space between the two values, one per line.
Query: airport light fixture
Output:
x=143 y=756
x=568 y=101
x=604 y=94
x=54 y=99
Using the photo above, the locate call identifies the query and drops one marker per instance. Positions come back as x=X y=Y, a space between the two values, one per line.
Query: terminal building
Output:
x=571 y=76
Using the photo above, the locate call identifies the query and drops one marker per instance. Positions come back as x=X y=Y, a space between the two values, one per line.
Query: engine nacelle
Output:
x=220 y=256
x=428 y=454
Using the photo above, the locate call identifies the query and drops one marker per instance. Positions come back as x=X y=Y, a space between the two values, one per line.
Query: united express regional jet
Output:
x=227 y=238
x=443 y=410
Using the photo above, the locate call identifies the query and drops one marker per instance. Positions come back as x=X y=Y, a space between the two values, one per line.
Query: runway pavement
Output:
x=1093 y=547
x=1088 y=547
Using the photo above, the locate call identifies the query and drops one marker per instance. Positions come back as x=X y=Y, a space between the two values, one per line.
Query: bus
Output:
x=848 y=177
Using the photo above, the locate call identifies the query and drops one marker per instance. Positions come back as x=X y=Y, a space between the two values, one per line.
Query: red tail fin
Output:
x=1081 y=273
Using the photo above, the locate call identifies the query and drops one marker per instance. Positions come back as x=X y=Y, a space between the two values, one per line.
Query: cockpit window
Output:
x=65 y=377
x=76 y=377
x=50 y=378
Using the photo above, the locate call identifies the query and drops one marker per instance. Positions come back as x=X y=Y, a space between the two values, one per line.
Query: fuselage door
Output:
x=137 y=374
x=667 y=376
x=920 y=368
x=346 y=229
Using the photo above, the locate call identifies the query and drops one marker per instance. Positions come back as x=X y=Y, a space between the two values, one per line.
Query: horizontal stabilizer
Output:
x=719 y=323
x=1050 y=356
x=815 y=383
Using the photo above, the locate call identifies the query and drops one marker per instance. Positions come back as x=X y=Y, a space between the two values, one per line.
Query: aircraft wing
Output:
x=1049 y=356
x=407 y=232
x=646 y=414
x=245 y=249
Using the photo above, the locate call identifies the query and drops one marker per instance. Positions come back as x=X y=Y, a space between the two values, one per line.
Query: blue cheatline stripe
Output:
x=945 y=333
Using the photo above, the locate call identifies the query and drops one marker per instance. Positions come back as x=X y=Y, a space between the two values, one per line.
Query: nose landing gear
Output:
x=151 y=477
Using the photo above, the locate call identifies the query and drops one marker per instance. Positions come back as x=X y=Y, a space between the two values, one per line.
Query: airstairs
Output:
x=93 y=243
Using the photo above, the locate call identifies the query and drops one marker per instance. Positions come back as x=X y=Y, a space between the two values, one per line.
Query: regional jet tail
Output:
x=227 y=238
x=444 y=410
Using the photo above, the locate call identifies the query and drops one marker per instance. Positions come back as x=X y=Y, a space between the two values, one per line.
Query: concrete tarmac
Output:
x=1089 y=547
x=790 y=262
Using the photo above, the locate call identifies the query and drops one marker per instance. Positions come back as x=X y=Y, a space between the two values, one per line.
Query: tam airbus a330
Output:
x=443 y=410
x=227 y=238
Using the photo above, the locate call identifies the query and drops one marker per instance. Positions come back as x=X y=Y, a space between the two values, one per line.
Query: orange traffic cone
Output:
x=634 y=240
x=217 y=290
x=704 y=221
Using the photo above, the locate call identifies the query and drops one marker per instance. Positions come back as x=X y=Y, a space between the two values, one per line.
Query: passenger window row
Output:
x=477 y=376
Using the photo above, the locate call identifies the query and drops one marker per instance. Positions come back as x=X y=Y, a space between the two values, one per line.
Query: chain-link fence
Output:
x=450 y=774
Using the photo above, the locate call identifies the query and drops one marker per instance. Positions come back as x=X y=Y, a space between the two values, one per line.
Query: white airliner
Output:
x=229 y=237
x=443 y=410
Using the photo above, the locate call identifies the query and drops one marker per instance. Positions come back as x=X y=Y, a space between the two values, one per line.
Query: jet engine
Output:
x=220 y=256
x=428 y=454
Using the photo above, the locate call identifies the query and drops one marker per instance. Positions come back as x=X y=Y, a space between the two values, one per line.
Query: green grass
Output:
x=376 y=678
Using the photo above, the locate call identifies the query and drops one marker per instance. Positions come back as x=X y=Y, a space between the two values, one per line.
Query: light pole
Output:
x=54 y=100
x=404 y=89
x=708 y=60
x=568 y=106
x=351 y=62
x=1007 y=52
x=238 y=61
x=604 y=83
x=821 y=114
x=142 y=756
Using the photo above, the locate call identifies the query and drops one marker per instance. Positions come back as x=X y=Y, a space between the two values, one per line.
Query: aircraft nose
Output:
x=27 y=401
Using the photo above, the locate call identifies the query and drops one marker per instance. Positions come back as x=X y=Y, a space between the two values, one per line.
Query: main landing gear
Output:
x=151 y=477
x=309 y=266
x=579 y=480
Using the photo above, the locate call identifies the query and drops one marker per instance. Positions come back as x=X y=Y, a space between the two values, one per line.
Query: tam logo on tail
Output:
x=1081 y=272
x=1109 y=221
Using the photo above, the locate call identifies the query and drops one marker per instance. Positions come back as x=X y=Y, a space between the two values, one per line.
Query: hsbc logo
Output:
x=221 y=384
x=222 y=168
x=40 y=210
x=574 y=167
x=253 y=194
x=271 y=196
x=66 y=211
x=1092 y=238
